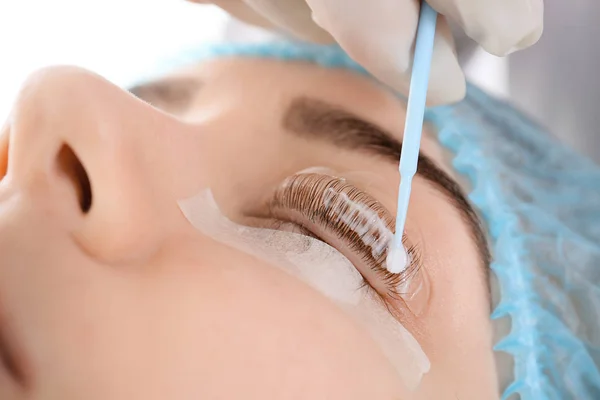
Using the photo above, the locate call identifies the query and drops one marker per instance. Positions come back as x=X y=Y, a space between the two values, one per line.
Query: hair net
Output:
x=541 y=202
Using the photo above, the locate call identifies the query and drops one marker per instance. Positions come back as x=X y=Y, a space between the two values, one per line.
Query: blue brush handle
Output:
x=415 y=113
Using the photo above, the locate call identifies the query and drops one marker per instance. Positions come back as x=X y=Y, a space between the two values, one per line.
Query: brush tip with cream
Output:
x=397 y=260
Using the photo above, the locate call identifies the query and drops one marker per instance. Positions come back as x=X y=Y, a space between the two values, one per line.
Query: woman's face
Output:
x=108 y=292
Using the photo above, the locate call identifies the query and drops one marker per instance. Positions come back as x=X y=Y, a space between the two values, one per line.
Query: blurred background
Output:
x=554 y=82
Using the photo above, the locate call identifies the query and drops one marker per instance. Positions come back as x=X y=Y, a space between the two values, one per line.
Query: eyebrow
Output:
x=171 y=94
x=319 y=120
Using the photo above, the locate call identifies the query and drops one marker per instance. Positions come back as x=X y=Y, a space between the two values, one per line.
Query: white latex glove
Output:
x=380 y=34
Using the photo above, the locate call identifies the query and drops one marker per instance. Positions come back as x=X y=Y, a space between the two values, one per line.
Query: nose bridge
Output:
x=70 y=116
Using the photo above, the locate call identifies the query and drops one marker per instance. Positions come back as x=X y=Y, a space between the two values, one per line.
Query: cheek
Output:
x=226 y=327
x=260 y=328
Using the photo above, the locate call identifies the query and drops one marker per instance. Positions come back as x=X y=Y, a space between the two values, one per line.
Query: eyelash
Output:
x=301 y=201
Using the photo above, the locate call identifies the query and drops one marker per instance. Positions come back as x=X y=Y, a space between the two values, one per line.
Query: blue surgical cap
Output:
x=541 y=202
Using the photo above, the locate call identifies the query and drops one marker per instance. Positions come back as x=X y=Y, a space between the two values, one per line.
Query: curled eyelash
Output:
x=398 y=281
x=332 y=206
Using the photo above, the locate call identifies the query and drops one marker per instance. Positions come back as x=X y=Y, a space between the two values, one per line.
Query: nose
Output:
x=86 y=150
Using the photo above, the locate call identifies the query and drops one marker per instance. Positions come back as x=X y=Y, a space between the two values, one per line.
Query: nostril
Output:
x=3 y=154
x=69 y=164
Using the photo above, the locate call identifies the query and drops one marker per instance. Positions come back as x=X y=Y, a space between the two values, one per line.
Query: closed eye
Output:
x=348 y=219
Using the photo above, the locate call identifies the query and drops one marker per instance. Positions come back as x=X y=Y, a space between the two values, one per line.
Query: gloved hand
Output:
x=380 y=34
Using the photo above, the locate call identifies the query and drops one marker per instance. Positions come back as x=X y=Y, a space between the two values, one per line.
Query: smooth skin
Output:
x=128 y=301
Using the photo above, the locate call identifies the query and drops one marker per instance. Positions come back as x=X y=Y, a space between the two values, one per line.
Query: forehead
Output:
x=266 y=88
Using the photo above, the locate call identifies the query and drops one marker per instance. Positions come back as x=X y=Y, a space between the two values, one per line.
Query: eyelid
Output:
x=303 y=199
